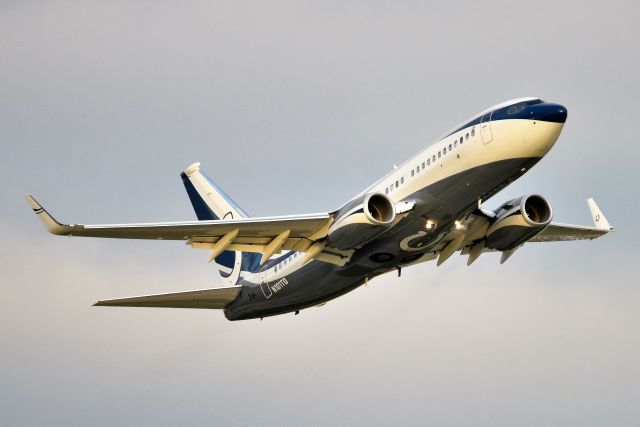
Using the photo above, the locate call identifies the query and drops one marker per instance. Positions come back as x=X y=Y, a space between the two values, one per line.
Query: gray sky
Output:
x=293 y=107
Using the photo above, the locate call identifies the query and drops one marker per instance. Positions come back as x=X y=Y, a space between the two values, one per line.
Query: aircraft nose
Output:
x=549 y=112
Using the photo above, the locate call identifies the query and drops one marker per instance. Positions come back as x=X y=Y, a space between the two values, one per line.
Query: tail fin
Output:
x=211 y=203
x=208 y=200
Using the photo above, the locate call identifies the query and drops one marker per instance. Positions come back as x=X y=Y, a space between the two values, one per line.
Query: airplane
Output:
x=426 y=209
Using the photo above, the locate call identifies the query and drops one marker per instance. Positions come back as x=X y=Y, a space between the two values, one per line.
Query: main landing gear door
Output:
x=485 y=128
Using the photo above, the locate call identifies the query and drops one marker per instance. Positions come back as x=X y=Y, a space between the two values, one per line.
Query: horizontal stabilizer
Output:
x=208 y=298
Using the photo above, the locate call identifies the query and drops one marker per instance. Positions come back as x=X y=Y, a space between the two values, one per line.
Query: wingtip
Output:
x=49 y=222
x=32 y=202
x=599 y=220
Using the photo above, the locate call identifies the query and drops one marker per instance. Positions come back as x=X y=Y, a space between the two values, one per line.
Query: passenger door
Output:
x=485 y=128
x=264 y=286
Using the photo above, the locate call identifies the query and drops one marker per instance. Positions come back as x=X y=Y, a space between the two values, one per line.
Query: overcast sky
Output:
x=293 y=107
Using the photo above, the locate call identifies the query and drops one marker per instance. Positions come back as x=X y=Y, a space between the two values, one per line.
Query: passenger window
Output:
x=449 y=147
x=466 y=137
x=455 y=143
x=473 y=132
x=412 y=172
x=423 y=164
x=444 y=151
x=460 y=140
x=418 y=168
x=428 y=161
x=434 y=158
x=397 y=184
x=439 y=153
x=402 y=180
x=386 y=190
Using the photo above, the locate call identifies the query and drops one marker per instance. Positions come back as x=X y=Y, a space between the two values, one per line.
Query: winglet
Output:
x=49 y=222
x=599 y=220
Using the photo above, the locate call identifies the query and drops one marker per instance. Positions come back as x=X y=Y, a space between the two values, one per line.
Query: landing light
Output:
x=430 y=225
x=459 y=224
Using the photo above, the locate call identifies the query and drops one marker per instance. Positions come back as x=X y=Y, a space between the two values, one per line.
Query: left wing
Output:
x=556 y=232
x=562 y=232
x=469 y=237
x=267 y=235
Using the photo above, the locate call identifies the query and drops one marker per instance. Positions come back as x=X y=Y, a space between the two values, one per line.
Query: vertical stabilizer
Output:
x=210 y=202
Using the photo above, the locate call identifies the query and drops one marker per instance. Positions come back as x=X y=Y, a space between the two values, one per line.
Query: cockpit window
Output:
x=515 y=109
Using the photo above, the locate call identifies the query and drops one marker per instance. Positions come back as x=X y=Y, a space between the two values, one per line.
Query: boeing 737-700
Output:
x=427 y=209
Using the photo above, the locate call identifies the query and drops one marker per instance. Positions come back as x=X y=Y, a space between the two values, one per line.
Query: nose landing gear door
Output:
x=485 y=128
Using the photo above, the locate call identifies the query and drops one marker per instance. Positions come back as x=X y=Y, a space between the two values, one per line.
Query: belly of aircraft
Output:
x=317 y=282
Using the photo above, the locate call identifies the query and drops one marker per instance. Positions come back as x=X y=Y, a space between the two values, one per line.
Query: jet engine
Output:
x=361 y=221
x=518 y=221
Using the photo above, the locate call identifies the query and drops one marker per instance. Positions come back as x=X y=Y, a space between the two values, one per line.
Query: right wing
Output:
x=208 y=298
x=267 y=235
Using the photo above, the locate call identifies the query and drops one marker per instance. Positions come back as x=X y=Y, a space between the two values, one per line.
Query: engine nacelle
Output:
x=360 y=222
x=518 y=221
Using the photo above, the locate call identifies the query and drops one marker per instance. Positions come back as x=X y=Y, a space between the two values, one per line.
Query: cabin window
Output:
x=275 y=269
x=439 y=154
x=444 y=151
x=449 y=147
x=460 y=140
x=428 y=161
x=434 y=158
x=402 y=180
x=466 y=137
x=423 y=164
x=418 y=169
x=397 y=184
x=473 y=132
x=412 y=172
x=386 y=190
x=455 y=143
